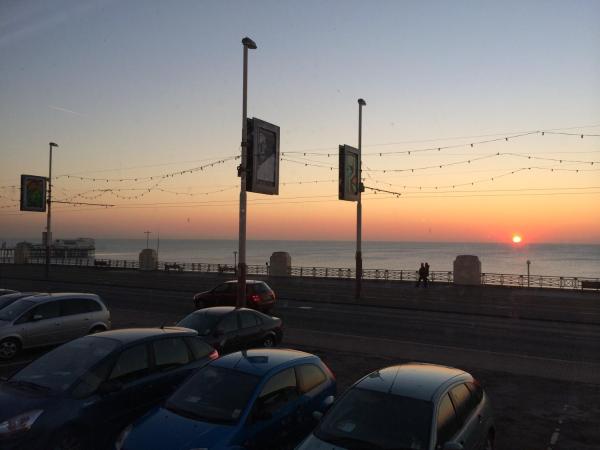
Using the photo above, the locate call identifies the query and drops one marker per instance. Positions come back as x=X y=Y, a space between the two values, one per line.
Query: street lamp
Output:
x=49 y=215
x=241 y=284
x=361 y=103
x=528 y=264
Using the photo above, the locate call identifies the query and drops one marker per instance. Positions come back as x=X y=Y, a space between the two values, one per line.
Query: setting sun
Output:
x=517 y=239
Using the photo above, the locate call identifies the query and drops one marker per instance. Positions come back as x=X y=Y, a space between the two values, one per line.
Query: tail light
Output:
x=255 y=298
x=214 y=355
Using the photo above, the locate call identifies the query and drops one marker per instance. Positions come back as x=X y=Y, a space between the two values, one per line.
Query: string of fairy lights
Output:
x=306 y=158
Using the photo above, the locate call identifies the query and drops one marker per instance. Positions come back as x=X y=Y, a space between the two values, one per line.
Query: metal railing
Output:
x=491 y=279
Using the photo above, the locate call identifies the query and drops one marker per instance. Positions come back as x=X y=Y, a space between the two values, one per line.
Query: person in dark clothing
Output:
x=426 y=274
x=422 y=276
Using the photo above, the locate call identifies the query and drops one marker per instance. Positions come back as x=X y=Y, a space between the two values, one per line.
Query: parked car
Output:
x=81 y=394
x=229 y=329
x=9 y=299
x=412 y=406
x=256 y=399
x=259 y=296
x=50 y=319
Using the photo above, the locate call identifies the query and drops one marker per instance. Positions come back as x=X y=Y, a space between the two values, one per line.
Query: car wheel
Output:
x=269 y=341
x=69 y=440
x=9 y=348
x=98 y=329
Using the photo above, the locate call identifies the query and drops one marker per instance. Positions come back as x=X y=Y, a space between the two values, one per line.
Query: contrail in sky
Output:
x=58 y=108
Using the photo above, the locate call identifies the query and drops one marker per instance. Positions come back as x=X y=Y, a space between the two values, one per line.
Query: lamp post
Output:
x=241 y=282
x=528 y=264
x=235 y=260
x=358 y=291
x=49 y=212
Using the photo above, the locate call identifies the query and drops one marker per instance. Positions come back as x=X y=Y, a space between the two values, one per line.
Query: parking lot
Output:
x=540 y=411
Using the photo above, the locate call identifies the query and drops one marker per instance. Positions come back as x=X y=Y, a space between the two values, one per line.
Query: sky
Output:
x=141 y=89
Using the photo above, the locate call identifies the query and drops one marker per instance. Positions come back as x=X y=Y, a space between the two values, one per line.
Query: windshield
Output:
x=370 y=419
x=61 y=367
x=11 y=312
x=214 y=394
x=200 y=321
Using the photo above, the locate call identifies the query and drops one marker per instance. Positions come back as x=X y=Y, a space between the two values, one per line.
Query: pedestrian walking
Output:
x=421 y=274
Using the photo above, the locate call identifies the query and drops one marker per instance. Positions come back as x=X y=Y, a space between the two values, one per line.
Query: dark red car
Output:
x=259 y=296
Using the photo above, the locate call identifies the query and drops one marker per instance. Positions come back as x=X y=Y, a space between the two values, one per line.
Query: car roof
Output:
x=414 y=380
x=43 y=297
x=18 y=295
x=128 y=335
x=247 y=281
x=261 y=361
x=220 y=310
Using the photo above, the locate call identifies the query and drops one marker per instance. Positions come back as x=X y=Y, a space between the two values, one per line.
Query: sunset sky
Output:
x=143 y=88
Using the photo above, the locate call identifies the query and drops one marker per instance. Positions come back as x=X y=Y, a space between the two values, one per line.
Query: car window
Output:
x=248 y=319
x=309 y=376
x=461 y=398
x=170 y=353
x=229 y=323
x=446 y=421
x=199 y=348
x=261 y=288
x=223 y=288
x=15 y=310
x=92 y=305
x=131 y=365
x=48 y=310
x=476 y=393
x=280 y=390
x=74 y=306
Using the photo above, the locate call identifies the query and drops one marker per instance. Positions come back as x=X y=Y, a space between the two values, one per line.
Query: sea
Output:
x=569 y=260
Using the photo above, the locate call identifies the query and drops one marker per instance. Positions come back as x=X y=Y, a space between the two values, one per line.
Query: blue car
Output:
x=409 y=406
x=255 y=399
x=80 y=395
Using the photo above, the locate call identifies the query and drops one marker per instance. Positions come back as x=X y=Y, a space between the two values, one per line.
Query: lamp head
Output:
x=361 y=102
x=247 y=42
x=52 y=144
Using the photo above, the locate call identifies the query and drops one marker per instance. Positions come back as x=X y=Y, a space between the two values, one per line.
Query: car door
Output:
x=312 y=385
x=470 y=429
x=41 y=325
x=172 y=358
x=272 y=422
x=251 y=332
x=446 y=424
x=224 y=294
x=228 y=333
x=75 y=317
x=135 y=386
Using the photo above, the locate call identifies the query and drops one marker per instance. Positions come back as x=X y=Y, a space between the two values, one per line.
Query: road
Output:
x=537 y=372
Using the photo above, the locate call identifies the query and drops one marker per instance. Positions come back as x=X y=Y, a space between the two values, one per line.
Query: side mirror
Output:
x=452 y=446
x=108 y=387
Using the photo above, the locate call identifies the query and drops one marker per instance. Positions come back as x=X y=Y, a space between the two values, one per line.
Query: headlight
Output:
x=22 y=422
x=121 y=439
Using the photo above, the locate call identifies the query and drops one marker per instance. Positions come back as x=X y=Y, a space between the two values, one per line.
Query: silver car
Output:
x=408 y=406
x=50 y=319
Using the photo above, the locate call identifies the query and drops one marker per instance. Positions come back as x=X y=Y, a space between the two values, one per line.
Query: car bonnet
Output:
x=162 y=429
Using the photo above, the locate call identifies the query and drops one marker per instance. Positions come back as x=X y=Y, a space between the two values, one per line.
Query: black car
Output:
x=259 y=296
x=81 y=394
x=229 y=329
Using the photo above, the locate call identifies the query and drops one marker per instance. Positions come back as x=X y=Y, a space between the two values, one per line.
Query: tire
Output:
x=9 y=348
x=269 y=341
x=97 y=329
